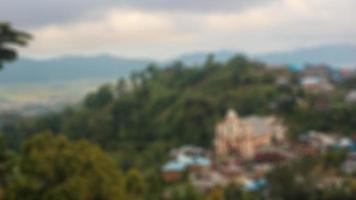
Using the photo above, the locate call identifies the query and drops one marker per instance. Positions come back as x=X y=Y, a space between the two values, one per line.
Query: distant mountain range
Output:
x=69 y=68
x=334 y=55
x=110 y=67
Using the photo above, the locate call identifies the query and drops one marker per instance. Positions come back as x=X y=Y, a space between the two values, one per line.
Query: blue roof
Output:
x=310 y=80
x=183 y=161
x=174 y=166
x=256 y=185
x=193 y=160
x=296 y=67
x=201 y=161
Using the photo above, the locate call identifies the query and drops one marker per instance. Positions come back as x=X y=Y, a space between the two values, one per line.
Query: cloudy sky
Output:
x=166 y=28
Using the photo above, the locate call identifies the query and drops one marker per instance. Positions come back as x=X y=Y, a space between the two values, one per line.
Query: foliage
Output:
x=99 y=99
x=141 y=118
x=217 y=193
x=179 y=104
x=334 y=159
x=135 y=184
x=9 y=36
x=51 y=167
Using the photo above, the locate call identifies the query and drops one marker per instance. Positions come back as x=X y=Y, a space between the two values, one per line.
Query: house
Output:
x=349 y=166
x=255 y=185
x=296 y=67
x=345 y=143
x=271 y=157
x=187 y=150
x=310 y=81
x=319 y=141
x=319 y=70
x=172 y=171
x=304 y=149
x=282 y=81
x=231 y=169
x=315 y=84
x=185 y=159
x=199 y=164
x=347 y=72
x=243 y=136
x=330 y=182
x=351 y=97
x=206 y=181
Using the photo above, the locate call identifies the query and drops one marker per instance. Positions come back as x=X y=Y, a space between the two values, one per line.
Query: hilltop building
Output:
x=244 y=136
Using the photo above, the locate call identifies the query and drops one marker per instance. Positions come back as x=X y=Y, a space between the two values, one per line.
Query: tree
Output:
x=99 y=99
x=152 y=70
x=335 y=158
x=185 y=191
x=191 y=193
x=121 y=87
x=4 y=161
x=135 y=184
x=285 y=184
x=9 y=36
x=51 y=167
x=232 y=192
x=217 y=193
x=210 y=62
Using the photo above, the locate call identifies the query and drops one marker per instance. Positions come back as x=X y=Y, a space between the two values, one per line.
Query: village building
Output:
x=282 y=81
x=255 y=185
x=351 y=96
x=316 y=84
x=295 y=67
x=206 y=181
x=319 y=141
x=185 y=159
x=273 y=155
x=244 y=136
x=349 y=166
x=318 y=70
x=173 y=171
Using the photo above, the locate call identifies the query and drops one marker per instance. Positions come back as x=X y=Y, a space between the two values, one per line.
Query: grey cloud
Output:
x=195 y=5
x=35 y=13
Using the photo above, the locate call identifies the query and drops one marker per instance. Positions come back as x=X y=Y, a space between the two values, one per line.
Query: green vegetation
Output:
x=50 y=167
x=138 y=120
x=180 y=105
x=301 y=180
x=9 y=36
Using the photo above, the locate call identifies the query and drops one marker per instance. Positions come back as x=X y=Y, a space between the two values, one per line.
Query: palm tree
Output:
x=8 y=37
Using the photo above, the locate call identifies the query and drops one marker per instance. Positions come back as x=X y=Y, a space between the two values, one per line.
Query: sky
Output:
x=162 y=29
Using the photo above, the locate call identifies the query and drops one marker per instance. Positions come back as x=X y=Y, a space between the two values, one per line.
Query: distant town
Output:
x=245 y=149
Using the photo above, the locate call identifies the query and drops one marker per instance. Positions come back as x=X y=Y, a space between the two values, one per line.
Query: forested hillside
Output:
x=137 y=120
x=180 y=104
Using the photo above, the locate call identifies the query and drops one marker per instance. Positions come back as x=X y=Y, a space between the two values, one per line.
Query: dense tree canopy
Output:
x=51 y=167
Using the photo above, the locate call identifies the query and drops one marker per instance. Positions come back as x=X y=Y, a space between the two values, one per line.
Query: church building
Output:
x=244 y=136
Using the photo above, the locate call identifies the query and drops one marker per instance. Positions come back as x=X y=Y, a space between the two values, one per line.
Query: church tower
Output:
x=226 y=133
x=232 y=135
